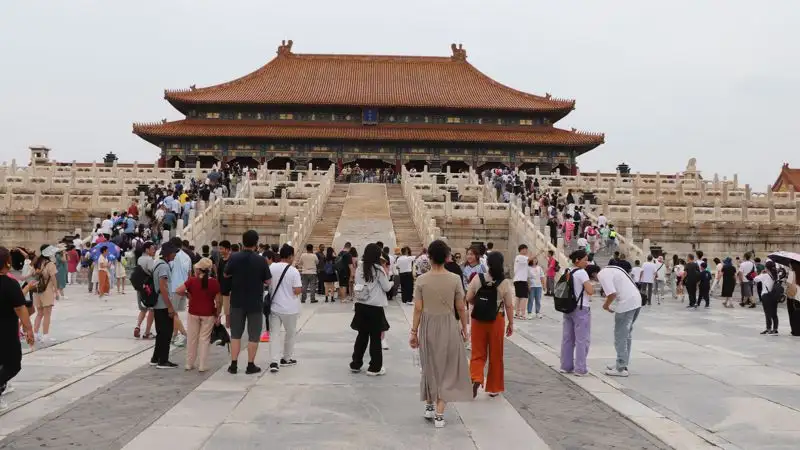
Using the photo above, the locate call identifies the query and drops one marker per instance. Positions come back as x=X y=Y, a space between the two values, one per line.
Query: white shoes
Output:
x=617 y=373
x=3 y=405
x=430 y=413
x=9 y=389
x=384 y=344
x=47 y=339
x=539 y=316
x=179 y=341
x=439 y=422
x=378 y=373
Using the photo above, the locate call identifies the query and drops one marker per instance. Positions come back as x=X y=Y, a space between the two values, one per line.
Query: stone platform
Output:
x=699 y=379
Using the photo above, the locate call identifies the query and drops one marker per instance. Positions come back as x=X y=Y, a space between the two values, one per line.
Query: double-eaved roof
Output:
x=424 y=82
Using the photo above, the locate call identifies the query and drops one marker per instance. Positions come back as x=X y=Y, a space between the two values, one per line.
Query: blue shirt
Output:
x=181 y=266
x=130 y=225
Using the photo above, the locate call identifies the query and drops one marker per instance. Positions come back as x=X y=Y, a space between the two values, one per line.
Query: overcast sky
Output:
x=714 y=80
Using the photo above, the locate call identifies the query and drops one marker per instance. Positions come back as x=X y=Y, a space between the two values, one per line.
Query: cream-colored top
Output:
x=439 y=293
x=308 y=264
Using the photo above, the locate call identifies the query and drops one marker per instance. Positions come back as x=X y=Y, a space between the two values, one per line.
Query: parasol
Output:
x=785 y=258
x=113 y=251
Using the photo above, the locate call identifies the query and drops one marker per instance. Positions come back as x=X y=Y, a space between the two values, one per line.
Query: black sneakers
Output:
x=289 y=362
x=166 y=365
x=252 y=368
x=273 y=367
x=233 y=368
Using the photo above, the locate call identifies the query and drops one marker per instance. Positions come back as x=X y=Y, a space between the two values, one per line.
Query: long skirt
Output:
x=104 y=282
x=445 y=371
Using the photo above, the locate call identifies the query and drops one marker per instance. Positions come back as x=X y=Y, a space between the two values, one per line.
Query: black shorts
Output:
x=344 y=279
x=521 y=289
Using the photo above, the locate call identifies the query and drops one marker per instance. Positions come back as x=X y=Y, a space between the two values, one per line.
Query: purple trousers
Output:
x=575 y=340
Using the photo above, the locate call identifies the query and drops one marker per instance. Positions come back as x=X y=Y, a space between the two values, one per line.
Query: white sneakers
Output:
x=384 y=344
x=617 y=373
x=378 y=373
x=179 y=341
x=611 y=370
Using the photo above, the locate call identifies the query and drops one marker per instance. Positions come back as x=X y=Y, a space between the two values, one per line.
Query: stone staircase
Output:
x=404 y=229
x=325 y=229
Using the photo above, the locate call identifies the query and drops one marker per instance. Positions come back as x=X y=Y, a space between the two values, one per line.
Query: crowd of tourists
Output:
x=353 y=173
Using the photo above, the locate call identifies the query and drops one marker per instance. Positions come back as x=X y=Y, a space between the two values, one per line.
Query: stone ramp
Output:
x=405 y=231
x=325 y=230
x=365 y=218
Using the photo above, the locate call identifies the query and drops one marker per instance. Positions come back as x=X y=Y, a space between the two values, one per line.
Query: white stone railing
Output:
x=422 y=217
x=205 y=227
x=625 y=240
x=523 y=229
x=303 y=223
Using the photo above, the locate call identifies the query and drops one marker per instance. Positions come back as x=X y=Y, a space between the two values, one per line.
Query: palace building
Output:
x=371 y=110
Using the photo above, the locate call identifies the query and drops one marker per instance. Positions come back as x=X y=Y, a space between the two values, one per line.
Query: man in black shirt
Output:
x=691 y=280
x=12 y=311
x=248 y=273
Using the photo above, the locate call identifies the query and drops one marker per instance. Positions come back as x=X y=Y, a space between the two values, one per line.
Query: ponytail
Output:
x=204 y=282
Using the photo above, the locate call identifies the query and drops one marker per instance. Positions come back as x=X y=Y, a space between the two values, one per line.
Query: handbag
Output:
x=268 y=296
x=220 y=335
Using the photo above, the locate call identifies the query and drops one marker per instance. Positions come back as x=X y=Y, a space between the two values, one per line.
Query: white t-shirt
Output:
x=602 y=221
x=766 y=280
x=745 y=268
x=615 y=281
x=578 y=278
x=535 y=275
x=678 y=269
x=648 y=272
x=106 y=224
x=404 y=263
x=636 y=272
x=520 y=268
x=284 y=301
x=661 y=271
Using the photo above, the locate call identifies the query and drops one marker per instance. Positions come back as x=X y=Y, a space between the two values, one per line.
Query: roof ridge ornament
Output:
x=285 y=48
x=459 y=54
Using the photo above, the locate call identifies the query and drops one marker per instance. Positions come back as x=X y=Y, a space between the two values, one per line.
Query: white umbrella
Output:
x=785 y=258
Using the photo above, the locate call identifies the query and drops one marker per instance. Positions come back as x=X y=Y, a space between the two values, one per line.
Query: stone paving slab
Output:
x=707 y=370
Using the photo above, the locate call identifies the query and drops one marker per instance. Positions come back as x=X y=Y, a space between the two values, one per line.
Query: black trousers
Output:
x=554 y=240
x=407 y=286
x=770 y=312
x=705 y=294
x=794 y=316
x=691 y=289
x=375 y=351
x=320 y=283
x=10 y=358
x=164 y=327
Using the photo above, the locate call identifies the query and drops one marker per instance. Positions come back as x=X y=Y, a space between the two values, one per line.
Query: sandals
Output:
x=137 y=332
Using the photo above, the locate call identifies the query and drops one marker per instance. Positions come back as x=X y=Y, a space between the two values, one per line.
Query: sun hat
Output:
x=49 y=251
x=204 y=264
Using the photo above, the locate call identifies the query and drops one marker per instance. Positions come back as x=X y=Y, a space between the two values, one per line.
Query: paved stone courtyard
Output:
x=699 y=379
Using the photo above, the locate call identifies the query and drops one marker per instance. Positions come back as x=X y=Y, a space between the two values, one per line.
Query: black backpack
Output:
x=564 y=295
x=144 y=284
x=486 y=305
x=776 y=294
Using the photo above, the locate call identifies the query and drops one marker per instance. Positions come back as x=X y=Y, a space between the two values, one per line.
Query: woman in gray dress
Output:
x=440 y=339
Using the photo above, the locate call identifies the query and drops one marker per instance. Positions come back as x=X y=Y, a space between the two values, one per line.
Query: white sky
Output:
x=666 y=81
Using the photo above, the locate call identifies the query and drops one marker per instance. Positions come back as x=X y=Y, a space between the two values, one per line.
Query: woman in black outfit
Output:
x=329 y=277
